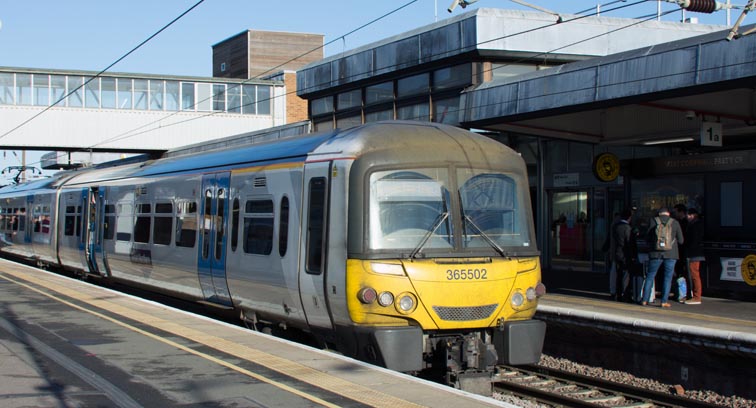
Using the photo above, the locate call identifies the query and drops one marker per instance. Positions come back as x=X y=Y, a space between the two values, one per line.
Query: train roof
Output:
x=374 y=141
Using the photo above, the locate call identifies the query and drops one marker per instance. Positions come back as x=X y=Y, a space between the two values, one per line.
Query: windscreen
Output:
x=409 y=209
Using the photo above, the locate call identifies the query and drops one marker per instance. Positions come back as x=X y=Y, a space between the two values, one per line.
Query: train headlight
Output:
x=518 y=299
x=385 y=298
x=540 y=289
x=530 y=294
x=367 y=295
x=387 y=268
x=406 y=303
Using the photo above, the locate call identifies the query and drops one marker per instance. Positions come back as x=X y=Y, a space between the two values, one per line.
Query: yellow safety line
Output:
x=300 y=372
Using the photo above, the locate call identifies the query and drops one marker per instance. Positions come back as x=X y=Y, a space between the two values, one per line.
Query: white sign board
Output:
x=731 y=269
x=711 y=134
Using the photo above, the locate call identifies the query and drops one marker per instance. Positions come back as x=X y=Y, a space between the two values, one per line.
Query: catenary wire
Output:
x=103 y=70
x=135 y=132
x=127 y=134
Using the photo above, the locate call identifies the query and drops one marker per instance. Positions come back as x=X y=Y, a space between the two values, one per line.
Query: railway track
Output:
x=564 y=389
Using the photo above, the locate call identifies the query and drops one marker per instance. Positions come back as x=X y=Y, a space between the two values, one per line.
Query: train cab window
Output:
x=283 y=227
x=186 y=224
x=70 y=221
x=143 y=224
x=235 y=225
x=490 y=210
x=109 y=225
x=315 y=222
x=163 y=224
x=258 y=227
x=410 y=210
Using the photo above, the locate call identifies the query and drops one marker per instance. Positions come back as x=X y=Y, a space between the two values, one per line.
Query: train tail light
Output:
x=367 y=295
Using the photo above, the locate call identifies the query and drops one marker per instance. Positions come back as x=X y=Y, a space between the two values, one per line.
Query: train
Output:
x=409 y=245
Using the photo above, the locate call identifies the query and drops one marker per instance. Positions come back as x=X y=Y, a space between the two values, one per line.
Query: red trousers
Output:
x=695 y=277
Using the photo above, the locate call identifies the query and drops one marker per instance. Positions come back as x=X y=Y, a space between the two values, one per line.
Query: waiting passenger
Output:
x=694 y=235
x=664 y=235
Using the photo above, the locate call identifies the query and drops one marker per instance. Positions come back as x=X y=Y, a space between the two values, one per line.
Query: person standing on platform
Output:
x=694 y=235
x=680 y=213
x=664 y=236
x=623 y=253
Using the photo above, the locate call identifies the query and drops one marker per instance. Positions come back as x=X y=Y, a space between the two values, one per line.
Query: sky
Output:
x=92 y=34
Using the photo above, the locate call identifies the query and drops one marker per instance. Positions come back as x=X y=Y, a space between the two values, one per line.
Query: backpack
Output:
x=664 y=240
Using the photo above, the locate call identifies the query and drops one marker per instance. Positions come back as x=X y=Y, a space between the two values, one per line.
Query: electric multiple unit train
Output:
x=405 y=244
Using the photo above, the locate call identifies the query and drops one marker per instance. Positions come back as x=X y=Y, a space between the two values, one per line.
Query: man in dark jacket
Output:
x=664 y=253
x=694 y=235
x=622 y=246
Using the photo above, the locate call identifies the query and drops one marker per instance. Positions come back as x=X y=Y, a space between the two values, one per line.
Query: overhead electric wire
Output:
x=102 y=71
x=128 y=135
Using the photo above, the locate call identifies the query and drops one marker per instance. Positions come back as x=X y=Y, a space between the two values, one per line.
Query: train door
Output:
x=313 y=250
x=95 y=221
x=211 y=266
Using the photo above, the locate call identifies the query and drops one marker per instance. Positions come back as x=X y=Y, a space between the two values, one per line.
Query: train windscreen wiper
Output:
x=486 y=237
x=439 y=220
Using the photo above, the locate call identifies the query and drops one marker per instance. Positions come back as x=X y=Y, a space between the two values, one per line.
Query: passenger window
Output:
x=163 y=222
x=258 y=227
x=283 y=227
x=186 y=224
x=142 y=225
x=109 y=227
x=70 y=221
x=220 y=224
x=206 y=224
x=315 y=222
x=235 y=225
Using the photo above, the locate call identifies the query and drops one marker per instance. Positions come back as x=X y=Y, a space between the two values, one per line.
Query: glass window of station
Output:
x=428 y=96
x=104 y=92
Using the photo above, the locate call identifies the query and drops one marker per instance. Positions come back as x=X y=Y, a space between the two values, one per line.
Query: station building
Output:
x=629 y=95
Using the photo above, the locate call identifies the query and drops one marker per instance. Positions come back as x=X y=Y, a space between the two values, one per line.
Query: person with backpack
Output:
x=664 y=236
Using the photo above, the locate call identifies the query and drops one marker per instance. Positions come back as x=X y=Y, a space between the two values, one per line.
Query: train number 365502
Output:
x=466 y=274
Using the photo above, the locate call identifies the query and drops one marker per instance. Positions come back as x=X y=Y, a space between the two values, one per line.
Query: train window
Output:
x=410 y=210
x=490 y=210
x=70 y=221
x=79 y=220
x=22 y=219
x=186 y=224
x=163 y=222
x=143 y=223
x=206 y=223
x=109 y=225
x=283 y=227
x=124 y=221
x=258 y=227
x=315 y=221
x=164 y=208
x=235 y=225
x=220 y=224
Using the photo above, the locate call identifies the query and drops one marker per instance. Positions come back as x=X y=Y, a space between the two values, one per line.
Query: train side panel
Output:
x=154 y=237
x=262 y=258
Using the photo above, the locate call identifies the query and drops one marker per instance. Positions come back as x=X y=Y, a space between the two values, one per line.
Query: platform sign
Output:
x=711 y=134
x=731 y=269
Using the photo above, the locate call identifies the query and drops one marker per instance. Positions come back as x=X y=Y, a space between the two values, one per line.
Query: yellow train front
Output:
x=442 y=267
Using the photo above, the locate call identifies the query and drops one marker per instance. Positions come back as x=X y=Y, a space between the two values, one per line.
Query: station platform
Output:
x=718 y=322
x=65 y=342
